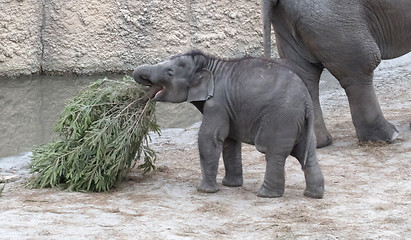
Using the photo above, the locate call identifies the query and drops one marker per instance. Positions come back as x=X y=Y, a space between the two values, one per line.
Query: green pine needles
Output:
x=2 y=189
x=104 y=131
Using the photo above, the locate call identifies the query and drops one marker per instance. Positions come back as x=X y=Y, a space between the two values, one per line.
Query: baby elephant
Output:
x=251 y=100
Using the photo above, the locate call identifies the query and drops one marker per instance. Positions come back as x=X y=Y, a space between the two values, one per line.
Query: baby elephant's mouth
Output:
x=154 y=92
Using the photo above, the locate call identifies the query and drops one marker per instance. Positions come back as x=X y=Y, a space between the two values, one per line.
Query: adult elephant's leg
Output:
x=354 y=70
x=368 y=120
x=310 y=74
x=232 y=163
x=312 y=80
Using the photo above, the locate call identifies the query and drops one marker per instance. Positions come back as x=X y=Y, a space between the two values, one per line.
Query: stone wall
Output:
x=20 y=31
x=91 y=36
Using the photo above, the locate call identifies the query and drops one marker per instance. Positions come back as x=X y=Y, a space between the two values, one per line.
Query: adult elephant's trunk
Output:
x=267 y=8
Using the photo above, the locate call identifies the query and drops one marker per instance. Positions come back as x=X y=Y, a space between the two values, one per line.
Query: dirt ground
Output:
x=367 y=194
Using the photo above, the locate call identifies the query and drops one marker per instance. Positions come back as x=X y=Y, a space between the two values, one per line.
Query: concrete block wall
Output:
x=95 y=36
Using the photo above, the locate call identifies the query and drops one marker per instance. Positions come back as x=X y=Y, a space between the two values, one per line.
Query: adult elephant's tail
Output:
x=267 y=8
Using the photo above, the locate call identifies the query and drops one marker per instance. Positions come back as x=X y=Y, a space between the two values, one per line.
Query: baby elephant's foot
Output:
x=314 y=182
x=270 y=193
x=207 y=187
x=233 y=181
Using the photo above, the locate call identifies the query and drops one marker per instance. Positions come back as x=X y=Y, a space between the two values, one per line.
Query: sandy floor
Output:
x=368 y=188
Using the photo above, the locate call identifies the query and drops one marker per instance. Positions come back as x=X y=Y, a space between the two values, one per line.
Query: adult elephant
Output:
x=349 y=38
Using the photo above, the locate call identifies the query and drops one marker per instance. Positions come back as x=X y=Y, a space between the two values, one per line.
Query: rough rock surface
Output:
x=90 y=36
x=20 y=41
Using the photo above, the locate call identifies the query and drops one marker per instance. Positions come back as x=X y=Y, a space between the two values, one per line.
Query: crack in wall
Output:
x=190 y=21
x=42 y=25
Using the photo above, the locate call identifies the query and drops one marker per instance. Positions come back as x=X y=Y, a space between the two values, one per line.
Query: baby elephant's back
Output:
x=269 y=92
x=272 y=83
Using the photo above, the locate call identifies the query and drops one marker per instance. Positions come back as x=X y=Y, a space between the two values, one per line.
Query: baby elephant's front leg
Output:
x=232 y=163
x=210 y=147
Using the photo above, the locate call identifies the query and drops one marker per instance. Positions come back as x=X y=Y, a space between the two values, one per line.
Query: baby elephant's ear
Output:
x=201 y=87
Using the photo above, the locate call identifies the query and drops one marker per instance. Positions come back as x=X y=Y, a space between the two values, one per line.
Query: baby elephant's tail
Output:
x=309 y=118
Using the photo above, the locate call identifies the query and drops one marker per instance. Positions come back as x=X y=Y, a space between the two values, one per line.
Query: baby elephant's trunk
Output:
x=142 y=74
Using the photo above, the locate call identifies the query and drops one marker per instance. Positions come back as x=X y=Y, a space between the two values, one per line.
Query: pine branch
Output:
x=104 y=132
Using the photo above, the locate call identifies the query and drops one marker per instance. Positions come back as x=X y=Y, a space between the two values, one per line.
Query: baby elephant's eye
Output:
x=170 y=73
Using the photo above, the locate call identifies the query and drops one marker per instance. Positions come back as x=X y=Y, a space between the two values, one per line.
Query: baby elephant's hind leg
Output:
x=274 y=180
x=275 y=139
x=314 y=178
x=314 y=181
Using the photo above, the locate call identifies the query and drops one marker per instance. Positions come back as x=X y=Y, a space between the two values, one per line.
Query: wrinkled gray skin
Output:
x=249 y=100
x=349 y=38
